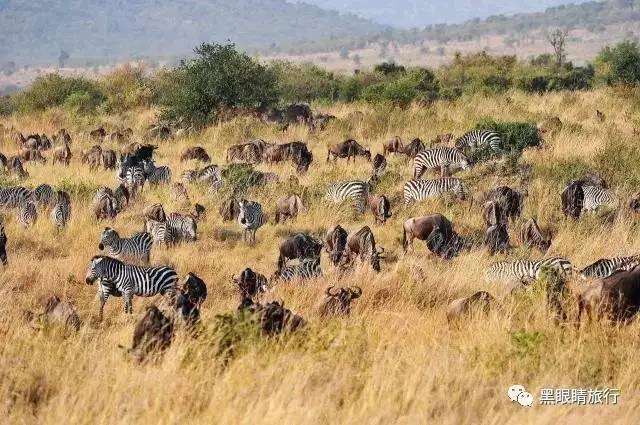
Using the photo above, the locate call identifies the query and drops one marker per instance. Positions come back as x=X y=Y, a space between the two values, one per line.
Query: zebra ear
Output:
x=98 y=259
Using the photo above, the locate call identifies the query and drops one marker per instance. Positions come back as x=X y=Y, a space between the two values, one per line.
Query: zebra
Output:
x=120 y=279
x=161 y=232
x=355 y=190
x=137 y=248
x=61 y=212
x=156 y=175
x=133 y=177
x=27 y=214
x=605 y=267
x=308 y=268
x=596 y=196
x=43 y=195
x=442 y=157
x=525 y=270
x=250 y=218
x=420 y=190
x=478 y=140
x=184 y=227
x=14 y=196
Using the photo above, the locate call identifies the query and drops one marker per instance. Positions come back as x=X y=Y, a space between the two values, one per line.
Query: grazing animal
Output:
x=288 y=207
x=16 y=167
x=414 y=148
x=363 y=245
x=152 y=335
x=380 y=208
x=93 y=157
x=4 y=162
x=600 y=116
x=634 y=203
x=616 y=298
x=338 y=302
x=348 y=149
x=27 y=214
x=573 y=200
x=492 y=213
x=442 y=139
x=461 y=307
x=420 y=190
x=299 y=246
x=394 y=145
x=61 y=212
x=509 y=201
x=595 y=197
x=3 y=245
x=62 y=154
x=117 y=137
x=355 y=191
x=43 y=195
x=63 y=312
x=605 y=267
x=250 y=153
x=336 y=243
x=532 y=236
x=109 y=159
x=117 y=278
x=436 y=230
x=379 y=165
x=525 y=271
x=309 y=268
x=183 y=227
x=497 y=239
x=250 y=218
x=122 y=196
x=229 y=210
x=105 y=204
x=33 y=155
x=62 y=136
x=476 y=140
x=135 y=249
x=156 y=175
x=320 y=121
x=250 y=283
x=178 y=192
x=197 y=153
x=98 y=135
x=161 y=232
x=191 y=294
x=274 y=318
x=444 y=158
x=134 y=179
x=14 y=196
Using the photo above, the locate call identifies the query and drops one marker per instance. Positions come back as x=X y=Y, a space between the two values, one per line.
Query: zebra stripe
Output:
x=524 y=270
x=308 y=268
x=440 y=157
x=356 y=191
x=117 y=278
x=184 y=227
x=61 y=212
x=595 y=196
x=27 y=214
x=14 y=196
x=420 y=190
x=43 y=195
x=479 y=139
x=134 y=178
x=605 y=267
x=156 y=175
x=135 y=248
x=251 y=218
x=161 y=233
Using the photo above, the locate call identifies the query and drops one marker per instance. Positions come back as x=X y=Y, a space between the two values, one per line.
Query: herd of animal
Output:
x=123 y=268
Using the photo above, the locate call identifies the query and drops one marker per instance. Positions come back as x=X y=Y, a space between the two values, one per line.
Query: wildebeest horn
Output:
x=329 y=291
x=357 y=292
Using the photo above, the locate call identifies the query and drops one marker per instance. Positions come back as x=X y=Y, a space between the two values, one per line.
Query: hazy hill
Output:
x=37 y=30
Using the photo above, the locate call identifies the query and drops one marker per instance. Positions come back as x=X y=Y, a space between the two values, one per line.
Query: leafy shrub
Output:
x=619 y=64
x=417 y=85
x=617 y=162
x=6 y=106
x=126 y=88
x=304 y=82
x=389 y=68
x=562 y=172
x=515 y=136
x=54 y=90
x=241 y=177
x=81 y=103
x=77 y=190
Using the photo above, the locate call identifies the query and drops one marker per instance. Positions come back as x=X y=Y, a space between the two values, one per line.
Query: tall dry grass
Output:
x=395 y=360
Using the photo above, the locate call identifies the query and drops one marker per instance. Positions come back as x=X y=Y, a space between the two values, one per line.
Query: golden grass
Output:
x=395 y=360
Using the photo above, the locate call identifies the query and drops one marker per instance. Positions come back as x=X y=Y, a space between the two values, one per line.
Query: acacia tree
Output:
x=558 y=39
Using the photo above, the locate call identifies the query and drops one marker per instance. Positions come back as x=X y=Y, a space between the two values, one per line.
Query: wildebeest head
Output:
x=250 y=283
x=339 y=243
x=339 y=301
x=384 y=208
x=200 y=210
x=192 y=293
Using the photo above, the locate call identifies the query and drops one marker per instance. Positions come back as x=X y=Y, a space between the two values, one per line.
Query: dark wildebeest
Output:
x=532 y=236
x=461 y=307
x=250 y=284
x=509 y=201
x=109 y=159
x=62 y=312
x=379 y=165
x=436 y=230
x=230 y=209
x=320 y=121
x=634 y=203
x=274 y=317
x=250 y=152
x=300 y=155
x=392 y=146
x=16 y=167
x=572 y=200
x=62 y=136
x=33 y=141
x=348 y=149
x=93 y=156
x=122 y=195
x=98 y=135
x=616 y=297
x=117 y=137
x=362 y=244
x=414 y=148
x=191 y=294
x=105 y=206
x=336 y=243
x=299 y=246
x=380 y=207
x=32 y=155
x=63 y=154
x=492 y=213
x=4 y=162
x=288 y=207
x=496 y=238
x=3 y=245
x=197 y=153
x=338 y=303
x=152 y=334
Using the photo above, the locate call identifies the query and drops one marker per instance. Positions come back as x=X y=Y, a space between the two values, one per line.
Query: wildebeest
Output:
x=159 y=131
x=62 y=136
x=197 y=153
x=122 y=196
x=572 y=200
x=600 y=116
x=461 y=307
x=510 y=202
x=105 y=205
x=348 y=149
x=634 y=203
x=362 y=244
x=497 y=238
x=62 y=154
x=379 y=164
x=336 y=243
x=32 y=155
x=250 y=152
x=93 y=156
x=299 y=246
x=616 y=297
x=392 y=146
x=442 y=139
x=414 y=148
x=191 y=294
x=320 y=121
x=250 y=283
x=3 y=245
x=109 y=159
x=380 y=207
x=153 y=334
x=338 y=302
x=98 y=134
x=288 y=207
x=15 y=166
x=62 y=312
x=436 y=230
x=4 y=162
x=230 y=209
x=274 y=318
x=492 y=213
x=532 y=236
x=178 y=192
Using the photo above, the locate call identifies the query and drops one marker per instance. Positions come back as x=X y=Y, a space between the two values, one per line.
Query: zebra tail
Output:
x=404 y=238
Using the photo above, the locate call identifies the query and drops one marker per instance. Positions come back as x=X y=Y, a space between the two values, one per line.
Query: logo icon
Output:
x=519 y=393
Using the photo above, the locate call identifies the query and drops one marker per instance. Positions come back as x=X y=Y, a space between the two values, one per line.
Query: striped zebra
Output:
x=250 y=218
x=524 y=270
x=61 y=212
x=43 y=195
x=27 y=214
x=605 y=267
x=161 y=232
x=137 y=248
x=356 y=191
x=308 y=268
x=420 y=190
x=133 y=178
x=156 y=175
x=596 y=196
x=444 y=158
x=479 y=140
x=117 y=278
x=14 y=196
x=184 y=227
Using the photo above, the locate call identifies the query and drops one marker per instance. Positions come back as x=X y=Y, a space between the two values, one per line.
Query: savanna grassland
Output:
x=395 y=359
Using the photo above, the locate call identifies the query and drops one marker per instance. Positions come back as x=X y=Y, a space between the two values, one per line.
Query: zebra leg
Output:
x=103 y=300
x=127 y=296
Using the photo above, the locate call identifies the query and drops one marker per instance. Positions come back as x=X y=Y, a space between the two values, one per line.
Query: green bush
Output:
x=417 y=85
x=617 y=162
x=562 y=172
x=515 y=136
x=54 y=90
x=619 y=65
x=219 y=77
x=81 y=103
x=304 y=83
x=6 y=106
x=125 y=89
x=241 y=177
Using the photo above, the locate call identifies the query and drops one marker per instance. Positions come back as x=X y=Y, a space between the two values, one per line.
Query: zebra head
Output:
x=96 y=269
x=242 y=204
x=109 y=236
